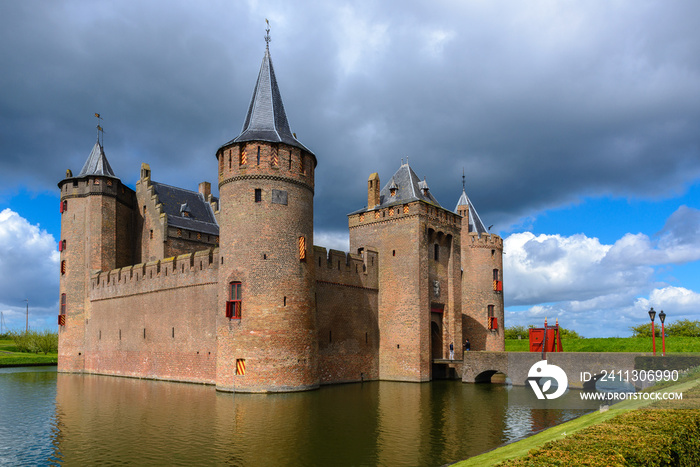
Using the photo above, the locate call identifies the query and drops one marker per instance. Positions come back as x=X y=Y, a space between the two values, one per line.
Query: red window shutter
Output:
x=493 y=323
x=60 y=245
x=62 y=207
x=229 y=310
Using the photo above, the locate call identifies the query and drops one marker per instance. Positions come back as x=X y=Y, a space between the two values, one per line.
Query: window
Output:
x=221 y=163
x=64 y=206
x=258 y=155
x=63 y=267
x=490 y=311
x=233 y=305
x=61 y=245
x=437 y=252
x=63 y=304
x=302 y=248
x=258 y=195
x=497 y=283
x=151 y=234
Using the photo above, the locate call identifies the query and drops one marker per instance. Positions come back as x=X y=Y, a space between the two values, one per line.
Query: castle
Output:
x=172 y=284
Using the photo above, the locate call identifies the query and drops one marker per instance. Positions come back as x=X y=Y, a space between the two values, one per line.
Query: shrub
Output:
x=683 y=328
x=513 y=332
x=680 y=328
x=35 y=342
x=46 y=341
x=641 y=437
x=644 y=330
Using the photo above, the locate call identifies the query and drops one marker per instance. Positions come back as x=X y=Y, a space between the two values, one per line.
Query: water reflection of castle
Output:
x=103 y=420
x=167 y=283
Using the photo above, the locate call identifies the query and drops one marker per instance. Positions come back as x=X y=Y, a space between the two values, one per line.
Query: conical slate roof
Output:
x=266 y=119
x=475 y=223
x=97 y=163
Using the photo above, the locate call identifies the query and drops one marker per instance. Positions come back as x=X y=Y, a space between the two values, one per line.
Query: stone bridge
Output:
x=478 y=367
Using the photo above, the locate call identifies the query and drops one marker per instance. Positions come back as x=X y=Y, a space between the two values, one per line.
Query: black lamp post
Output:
x=662 y=318
x=652 y=315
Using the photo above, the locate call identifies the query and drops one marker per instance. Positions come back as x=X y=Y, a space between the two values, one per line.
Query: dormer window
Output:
x=423 y=185
x=393 y=188
x=185 y=210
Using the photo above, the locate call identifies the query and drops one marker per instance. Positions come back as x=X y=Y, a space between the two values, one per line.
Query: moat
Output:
x=64 y=419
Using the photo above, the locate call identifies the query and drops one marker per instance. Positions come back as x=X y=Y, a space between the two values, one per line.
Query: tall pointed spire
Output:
x=464 y=204
x=96 y=163
x=266 y=119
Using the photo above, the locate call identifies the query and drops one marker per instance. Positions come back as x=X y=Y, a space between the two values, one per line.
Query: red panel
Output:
x=493 y=323
x=61 y=320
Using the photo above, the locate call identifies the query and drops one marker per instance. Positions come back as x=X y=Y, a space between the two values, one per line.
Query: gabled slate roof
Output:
x=475 y=223
x=178 y=201
x=266 y=119
x=97 y=164
x=408 y=189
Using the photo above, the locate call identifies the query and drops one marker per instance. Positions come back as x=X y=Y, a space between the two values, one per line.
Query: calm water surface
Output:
x=61 y=419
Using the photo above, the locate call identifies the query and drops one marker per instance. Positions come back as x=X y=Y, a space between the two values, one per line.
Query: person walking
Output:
x=467 y=345
x=452 y=351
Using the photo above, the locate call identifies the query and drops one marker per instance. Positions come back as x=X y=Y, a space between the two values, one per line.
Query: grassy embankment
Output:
x=9 y=356
x=615 y=344
x=606 y=440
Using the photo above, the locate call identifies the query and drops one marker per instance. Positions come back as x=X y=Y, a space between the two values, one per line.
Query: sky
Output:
x=576 y=124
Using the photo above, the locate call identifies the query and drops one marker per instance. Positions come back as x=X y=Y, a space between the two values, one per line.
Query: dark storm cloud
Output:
x=540 y=102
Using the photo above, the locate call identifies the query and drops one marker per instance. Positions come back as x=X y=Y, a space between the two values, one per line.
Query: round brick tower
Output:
x=266 y=323
x=482 y=281
x=95 y=214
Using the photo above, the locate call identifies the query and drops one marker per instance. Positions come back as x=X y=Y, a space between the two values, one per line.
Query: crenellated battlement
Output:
x=181 y=271
x=484 y=240
x=348 y=269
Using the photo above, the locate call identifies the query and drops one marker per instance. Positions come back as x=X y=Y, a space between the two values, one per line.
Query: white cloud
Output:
x=29 y=268
x=677 y=302
x=600 y=289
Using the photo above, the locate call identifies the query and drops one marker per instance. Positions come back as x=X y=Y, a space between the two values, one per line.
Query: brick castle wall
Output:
x=155 y=320
x=346 y=313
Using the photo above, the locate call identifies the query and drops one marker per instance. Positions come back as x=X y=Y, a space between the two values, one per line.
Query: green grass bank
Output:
x=633 y=432
x=10 y=356
x=614 y=344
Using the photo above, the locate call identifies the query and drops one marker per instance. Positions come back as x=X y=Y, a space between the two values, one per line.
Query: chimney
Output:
x=373 y=191
x=205 y=189
x=145 y=171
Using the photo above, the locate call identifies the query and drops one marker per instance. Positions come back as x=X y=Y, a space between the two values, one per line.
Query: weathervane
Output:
x=100 y=130
x=267 y=36
x=463 y=183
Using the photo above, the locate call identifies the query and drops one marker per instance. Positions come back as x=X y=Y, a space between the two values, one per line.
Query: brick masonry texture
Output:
x=148 y=300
